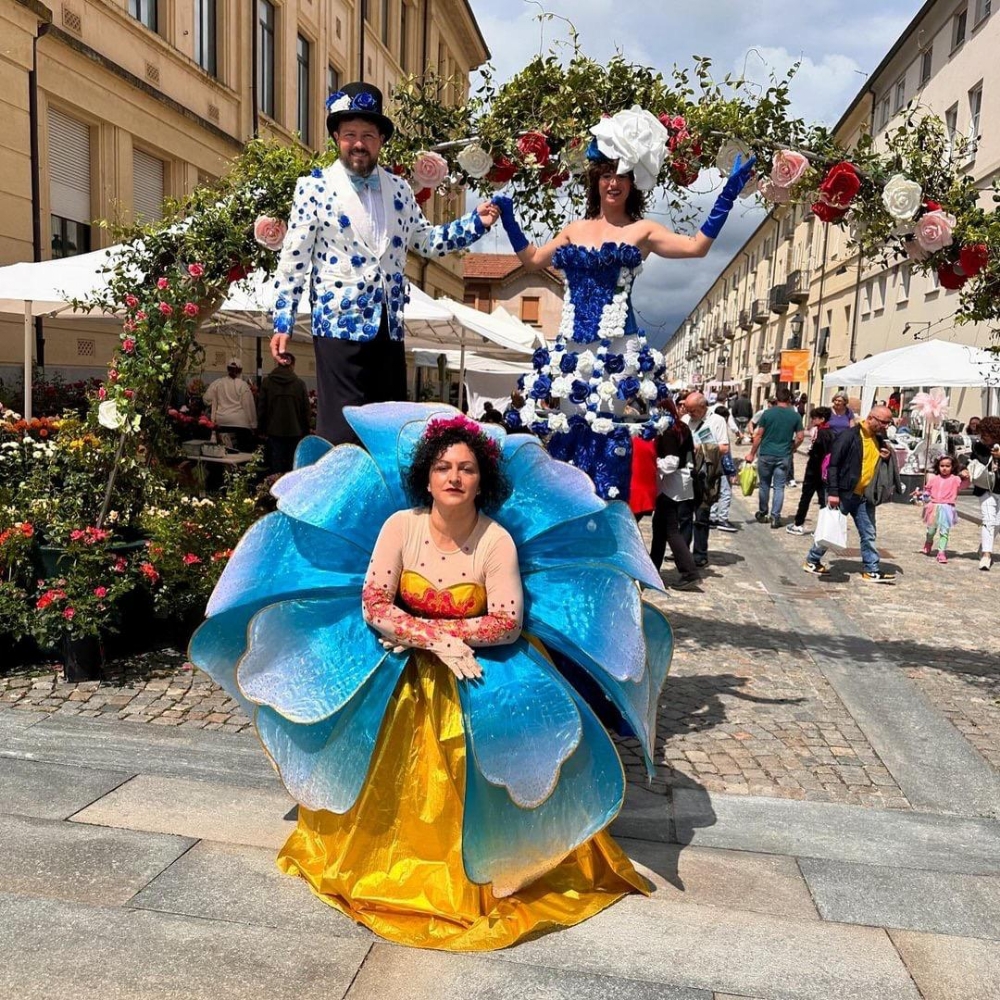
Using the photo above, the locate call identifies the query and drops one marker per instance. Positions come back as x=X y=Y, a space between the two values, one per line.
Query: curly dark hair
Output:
x=635 y=203
x=991 y=427
x=494 y=487
x=945 y=458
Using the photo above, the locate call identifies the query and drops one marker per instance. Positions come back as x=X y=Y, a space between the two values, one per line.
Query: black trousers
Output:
x=667 y=519
x=352 y=373
x=279 y=453
x=812 y=486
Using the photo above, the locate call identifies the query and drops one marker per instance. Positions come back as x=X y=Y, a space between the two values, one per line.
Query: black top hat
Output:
x=357 y=100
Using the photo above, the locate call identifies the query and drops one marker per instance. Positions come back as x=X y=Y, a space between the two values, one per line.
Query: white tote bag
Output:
x=831 y=529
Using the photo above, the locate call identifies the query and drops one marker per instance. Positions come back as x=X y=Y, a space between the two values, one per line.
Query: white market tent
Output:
x=486 y=379
x=47 y=288
x=921 y=365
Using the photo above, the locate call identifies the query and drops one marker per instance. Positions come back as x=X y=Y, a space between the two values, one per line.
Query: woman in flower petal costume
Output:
x=600 y=359
x=433 y=683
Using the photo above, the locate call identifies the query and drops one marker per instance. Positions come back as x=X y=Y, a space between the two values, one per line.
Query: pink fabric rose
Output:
x=166 y=308
x=190 y=309
x=131 y=301
x=100 y=591
x=933 y=230
x=196 y=270
x=128 y=345
x=787 y=168
x=162 y=283
x=770 y=192
x=269 y=232
x=429 y=170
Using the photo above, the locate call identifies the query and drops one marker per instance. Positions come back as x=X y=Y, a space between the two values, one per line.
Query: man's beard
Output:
x=367 y=168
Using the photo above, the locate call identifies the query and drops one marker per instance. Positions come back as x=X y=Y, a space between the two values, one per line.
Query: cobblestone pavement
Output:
x=746 y=710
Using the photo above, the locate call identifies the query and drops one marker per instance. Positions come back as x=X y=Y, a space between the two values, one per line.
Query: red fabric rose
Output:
x=841 y=185
x=236 y=273
x=554 y=178
x=950 y=278
x=683 y=172
x=973 y=258
x=932 y=206
x=503 y=170
x=828 y=213
x=534 y=145
x=424 y=195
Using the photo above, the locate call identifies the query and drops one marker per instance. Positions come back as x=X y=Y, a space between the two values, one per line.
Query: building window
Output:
x=950 y=131
x=302 y=61
x=144 y=11
x=265 y=56
x=69 y=184
x=975 y=117
x=900 y=96
x=959 y=25
x=332 y=79
x=903 y=283
x=205 y=13
x=530 y=310
x=147 y=186
x=926 y=62
x=384 y=25
x=982 y=11
x=883 y=113
x=404 y=37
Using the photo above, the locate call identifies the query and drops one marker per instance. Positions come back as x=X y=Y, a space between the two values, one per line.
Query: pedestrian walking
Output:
x=986 y=485
x=742 y=410
x=710 y=433
x=813 y=481
x=674 y=502
x=232 y=408
x=861 y=476
x=941 y=491
x=843 y=418
x=779 y=432
x=719 y=515
x=282 y=414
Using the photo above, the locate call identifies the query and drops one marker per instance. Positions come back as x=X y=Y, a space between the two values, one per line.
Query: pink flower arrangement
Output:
x=162 y=283
x=128 y=345
x=196 y=270
x=269 y=232
x=787 y=168
x=166 y=309
x=190 y=309
x=69 y=613
x=933 y=231
x=429 y=170
x=100 y=591
x=131 y=301
x=102 y=393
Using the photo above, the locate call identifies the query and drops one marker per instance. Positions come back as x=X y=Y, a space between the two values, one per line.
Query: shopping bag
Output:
x=980 y=475
x=748 y=478
x=831 y=529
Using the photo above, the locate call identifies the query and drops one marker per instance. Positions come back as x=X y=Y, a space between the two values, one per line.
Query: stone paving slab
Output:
x=52 y=791
x=242 y=884
x=198 y=808
x=391 y=973
x=100 y=953
x=942 y=902
x=57 y=860
x=754 y=954
x=738 y=880
x=950 y=968
x=839 y=833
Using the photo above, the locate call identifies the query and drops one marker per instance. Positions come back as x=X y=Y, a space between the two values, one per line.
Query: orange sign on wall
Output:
x=794 y=366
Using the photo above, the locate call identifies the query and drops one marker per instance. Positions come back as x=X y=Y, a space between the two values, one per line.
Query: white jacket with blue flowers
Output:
x=351 y=277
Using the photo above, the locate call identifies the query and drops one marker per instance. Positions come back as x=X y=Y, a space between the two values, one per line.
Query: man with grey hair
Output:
x=711 y=441
x=862 y=474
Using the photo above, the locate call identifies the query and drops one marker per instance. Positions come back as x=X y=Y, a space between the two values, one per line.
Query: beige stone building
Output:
x=796 y=284
x=108 y=106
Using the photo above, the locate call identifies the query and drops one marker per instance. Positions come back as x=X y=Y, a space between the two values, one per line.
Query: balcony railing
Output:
x=779 y=299
x=797 y=286
x=758 y=311
x=744 y=321
x=728 y=333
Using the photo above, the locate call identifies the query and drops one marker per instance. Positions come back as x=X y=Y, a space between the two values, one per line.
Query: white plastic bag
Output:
x=831 y=529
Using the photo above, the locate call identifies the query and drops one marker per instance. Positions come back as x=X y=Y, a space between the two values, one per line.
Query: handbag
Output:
x=748 y=478
x=980 y=475
x=831 y=529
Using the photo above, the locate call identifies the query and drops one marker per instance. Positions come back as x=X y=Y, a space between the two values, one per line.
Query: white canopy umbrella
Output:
x=926 y=363
x=486 y=379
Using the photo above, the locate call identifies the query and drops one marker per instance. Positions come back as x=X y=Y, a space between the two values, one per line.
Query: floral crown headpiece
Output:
x=441 y=425
x=344 y=102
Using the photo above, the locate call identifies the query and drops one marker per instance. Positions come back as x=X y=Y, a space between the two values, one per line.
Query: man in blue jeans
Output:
x=855 y=487
x=777 y=435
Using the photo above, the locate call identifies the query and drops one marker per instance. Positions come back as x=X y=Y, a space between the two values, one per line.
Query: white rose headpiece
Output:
x=637 y=140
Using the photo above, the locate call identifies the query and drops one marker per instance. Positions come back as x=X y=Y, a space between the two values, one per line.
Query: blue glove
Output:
x=724 y=203
x=518 y=241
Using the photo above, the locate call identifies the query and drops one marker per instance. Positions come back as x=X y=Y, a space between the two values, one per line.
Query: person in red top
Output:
x=939 y=511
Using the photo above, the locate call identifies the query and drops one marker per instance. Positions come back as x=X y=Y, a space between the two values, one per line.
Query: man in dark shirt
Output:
x=742 y=410
x=776 y=437
x=282 y=413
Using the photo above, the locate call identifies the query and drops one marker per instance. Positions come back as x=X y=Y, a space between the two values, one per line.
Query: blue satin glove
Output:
x=518 y=241
x=724 y=203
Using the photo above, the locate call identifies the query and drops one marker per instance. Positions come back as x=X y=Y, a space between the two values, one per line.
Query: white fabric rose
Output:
x=558 y=423
x=475 y=161
x=562 y=385
x=341 y=104
x=603 y=425
x=902 y=197
x=725 y=160
x=590 y=417
x=108 y=415
x=613 y=490
x=585 y=364
x=637 y=140
x=647 y=389
x=934 y=230
x=787 y=167
x=607 y=390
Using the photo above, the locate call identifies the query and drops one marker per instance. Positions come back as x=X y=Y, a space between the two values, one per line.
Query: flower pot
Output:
x=82 y=658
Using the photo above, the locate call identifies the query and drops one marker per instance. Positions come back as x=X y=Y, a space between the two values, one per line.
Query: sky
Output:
x=838 y=43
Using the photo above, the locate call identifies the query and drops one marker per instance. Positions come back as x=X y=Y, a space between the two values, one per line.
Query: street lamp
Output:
x=796 y=325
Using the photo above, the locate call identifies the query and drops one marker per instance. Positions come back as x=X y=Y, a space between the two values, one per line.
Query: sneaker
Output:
x=928 y=548
x=775 y=522
x=792 y=484
x=726 y=526
x=686 y=583
x=818 y=568
x=760 y=516
x=795 y=529
x=700 y=563
x=879 y=577
x=986 y=562
x=942 y=556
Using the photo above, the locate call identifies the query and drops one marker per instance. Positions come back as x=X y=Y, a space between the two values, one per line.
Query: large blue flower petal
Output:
x=545 y=493
x=279 y=558
x=509 y=847
x=521 y=722
x=310 y=450
x=218 y=644
x=307 y=658
x=324 y=766
x=608 y=536
x=343 y=493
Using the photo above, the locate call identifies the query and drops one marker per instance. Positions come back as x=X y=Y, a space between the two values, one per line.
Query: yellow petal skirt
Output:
x=394 y=862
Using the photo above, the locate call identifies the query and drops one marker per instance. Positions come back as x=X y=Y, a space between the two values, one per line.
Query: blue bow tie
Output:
x=371 y=182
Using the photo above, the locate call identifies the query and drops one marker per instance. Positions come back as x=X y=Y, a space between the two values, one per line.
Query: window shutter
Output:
x=147 y=186
x=69 y=167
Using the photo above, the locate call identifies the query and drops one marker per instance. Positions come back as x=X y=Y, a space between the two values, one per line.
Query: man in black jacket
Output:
x=862 y=474
x=282 y=414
